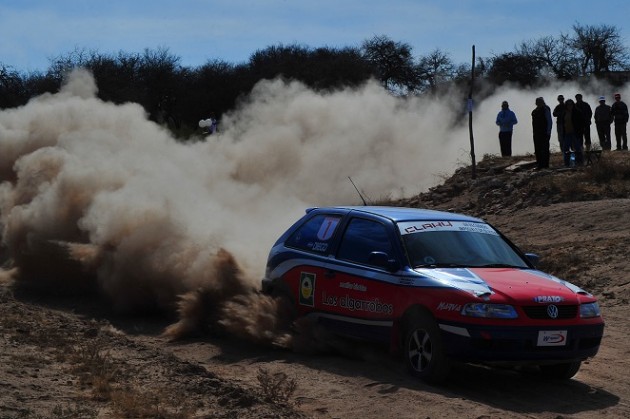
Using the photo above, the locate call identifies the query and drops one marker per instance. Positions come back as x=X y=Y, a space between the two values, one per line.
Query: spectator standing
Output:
x=541 y=124
x=603 y=119
x=587 y=113
x=213 y=124
x=506 y=119
x=209 y=125
x=558 y=112
x=573 y=130
x=619 y=111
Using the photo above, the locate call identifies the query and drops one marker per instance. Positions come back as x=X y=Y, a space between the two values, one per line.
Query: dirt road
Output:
x=70 y=357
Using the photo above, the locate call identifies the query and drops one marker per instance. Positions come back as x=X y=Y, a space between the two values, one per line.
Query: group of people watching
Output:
x=573 y=126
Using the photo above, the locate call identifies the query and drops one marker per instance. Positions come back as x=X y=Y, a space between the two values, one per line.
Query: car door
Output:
x=357 y=292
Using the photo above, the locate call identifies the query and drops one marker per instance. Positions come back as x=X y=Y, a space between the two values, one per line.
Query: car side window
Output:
x=316 y=234
x=361 y=238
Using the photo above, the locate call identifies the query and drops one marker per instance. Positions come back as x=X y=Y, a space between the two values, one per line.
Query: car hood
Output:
x=508 y=284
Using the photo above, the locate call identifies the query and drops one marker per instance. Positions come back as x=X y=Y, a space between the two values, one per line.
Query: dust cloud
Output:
x=94 y=195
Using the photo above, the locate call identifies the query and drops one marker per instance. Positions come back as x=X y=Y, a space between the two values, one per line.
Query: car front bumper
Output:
x=519 y=343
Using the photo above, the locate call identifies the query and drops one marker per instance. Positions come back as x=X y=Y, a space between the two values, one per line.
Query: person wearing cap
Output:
x=603 y=119
x=558 y=112
x=619 y=112
x=587 y=113
x=506 y=119
x=541 y=127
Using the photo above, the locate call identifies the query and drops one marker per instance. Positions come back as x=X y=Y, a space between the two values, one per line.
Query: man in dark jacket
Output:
x=558 y=112
x=541 y=124
x=587 y=113
x=603 y=119
x=619 y=111
x=573 y=130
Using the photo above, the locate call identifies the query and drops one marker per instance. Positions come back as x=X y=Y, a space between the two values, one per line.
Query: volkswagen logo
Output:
x=552 y=311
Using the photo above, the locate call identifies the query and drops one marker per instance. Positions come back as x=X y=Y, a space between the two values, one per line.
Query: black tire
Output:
x=424 y=350
x=287 y=310
x=563 y=371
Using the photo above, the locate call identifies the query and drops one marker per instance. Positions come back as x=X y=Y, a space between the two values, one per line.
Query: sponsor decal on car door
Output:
x=307 y=289
x=355 y=296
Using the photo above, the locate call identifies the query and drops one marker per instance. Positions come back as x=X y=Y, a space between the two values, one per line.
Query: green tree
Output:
x=598 y=49
x=553 y=56
x=436 y=69
x=393 y=64
x=320 y=68
x=513 y=67
x=336 y=68
x=210 y=89
x=159 y=75
x=118 y=77
x=12 y=90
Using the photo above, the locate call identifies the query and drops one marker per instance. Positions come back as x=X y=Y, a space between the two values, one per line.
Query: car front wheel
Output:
x=424 y=351
x=562 y=371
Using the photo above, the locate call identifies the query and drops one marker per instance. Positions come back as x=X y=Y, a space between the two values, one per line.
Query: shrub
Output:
x=275 y=388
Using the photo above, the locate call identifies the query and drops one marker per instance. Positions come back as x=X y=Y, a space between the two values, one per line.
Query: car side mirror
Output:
x=382 y=260
x=533 y=258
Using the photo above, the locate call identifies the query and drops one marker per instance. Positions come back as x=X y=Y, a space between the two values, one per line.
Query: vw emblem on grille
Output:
x=552 y=311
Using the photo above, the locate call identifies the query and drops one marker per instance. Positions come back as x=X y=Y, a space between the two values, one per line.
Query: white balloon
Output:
x=202 y=123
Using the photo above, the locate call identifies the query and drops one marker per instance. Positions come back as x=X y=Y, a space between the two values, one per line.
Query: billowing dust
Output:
x=95 y=197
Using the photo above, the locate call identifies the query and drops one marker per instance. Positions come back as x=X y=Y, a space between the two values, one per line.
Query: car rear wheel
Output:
x=562 y=371
x=424 y=351
x=279 y=291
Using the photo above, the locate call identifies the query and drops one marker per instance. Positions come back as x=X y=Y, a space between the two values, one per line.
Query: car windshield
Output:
x=457 y=244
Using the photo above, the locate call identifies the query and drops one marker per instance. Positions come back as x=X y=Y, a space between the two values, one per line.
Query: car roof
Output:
x=401 y=214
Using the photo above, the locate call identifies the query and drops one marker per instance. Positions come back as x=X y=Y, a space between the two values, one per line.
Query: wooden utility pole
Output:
x=470 y=116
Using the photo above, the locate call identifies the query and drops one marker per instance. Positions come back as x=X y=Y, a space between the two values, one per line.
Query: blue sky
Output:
x=33 y=31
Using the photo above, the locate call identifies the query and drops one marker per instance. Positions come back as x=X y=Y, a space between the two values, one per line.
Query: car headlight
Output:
x=589 y=310
x=495 y=311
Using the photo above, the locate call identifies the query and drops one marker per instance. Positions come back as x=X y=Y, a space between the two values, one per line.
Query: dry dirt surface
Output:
x=68 y=356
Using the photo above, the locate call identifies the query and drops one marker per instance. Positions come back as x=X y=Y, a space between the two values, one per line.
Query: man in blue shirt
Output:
x=506 y=119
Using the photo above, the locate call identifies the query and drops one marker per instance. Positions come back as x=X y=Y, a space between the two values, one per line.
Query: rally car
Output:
x=437 y=287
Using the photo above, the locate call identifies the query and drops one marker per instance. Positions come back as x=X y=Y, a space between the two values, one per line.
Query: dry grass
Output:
x=277 y=387
x=606 y=178
x=94 y=367
x=610 y=167
x=104 y=376
x=133 y=402
x=87 y=356
x=76 y=411
x=95 y=376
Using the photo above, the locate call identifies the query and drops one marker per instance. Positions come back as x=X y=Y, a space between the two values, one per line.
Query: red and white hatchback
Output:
x=438 y=286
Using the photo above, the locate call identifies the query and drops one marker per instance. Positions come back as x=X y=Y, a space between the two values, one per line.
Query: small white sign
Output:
x=552 y=338
x=469 y=105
